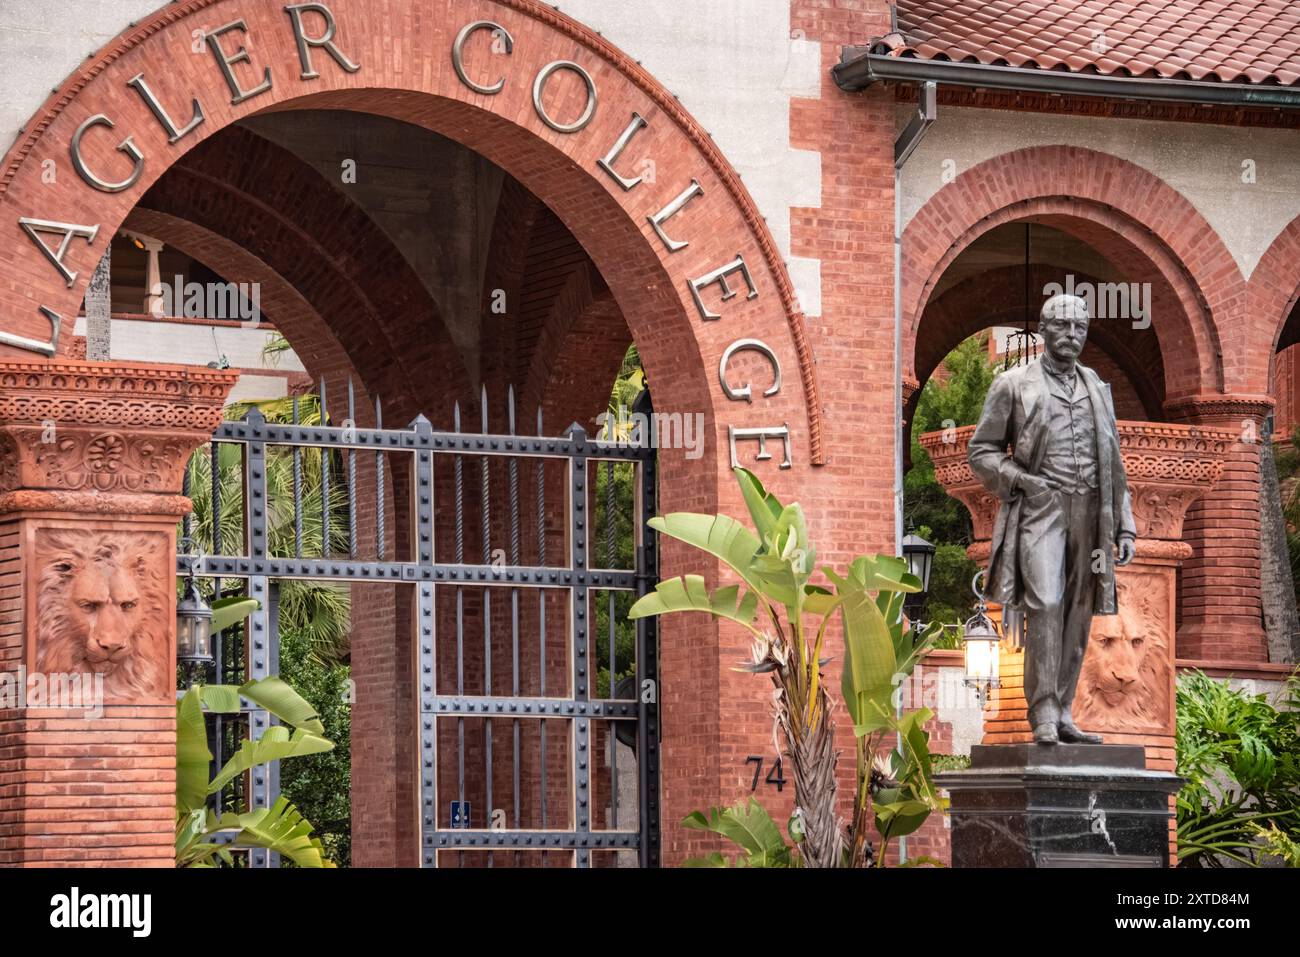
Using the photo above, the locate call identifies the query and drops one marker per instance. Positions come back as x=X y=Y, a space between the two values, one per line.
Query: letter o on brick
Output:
x=539 y=85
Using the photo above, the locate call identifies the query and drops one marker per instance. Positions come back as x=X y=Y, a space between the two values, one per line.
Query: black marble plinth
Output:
x=1064 y=805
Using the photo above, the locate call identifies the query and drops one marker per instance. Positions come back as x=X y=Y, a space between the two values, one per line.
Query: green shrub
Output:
x=1240 y=756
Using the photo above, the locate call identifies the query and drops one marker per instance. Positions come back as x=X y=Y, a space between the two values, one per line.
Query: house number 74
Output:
x=774 y=774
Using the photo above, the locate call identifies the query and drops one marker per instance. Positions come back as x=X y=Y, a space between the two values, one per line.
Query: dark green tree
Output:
x=947 y=402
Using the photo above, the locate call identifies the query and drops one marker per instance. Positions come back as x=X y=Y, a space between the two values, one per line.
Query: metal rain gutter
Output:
x=859 y=68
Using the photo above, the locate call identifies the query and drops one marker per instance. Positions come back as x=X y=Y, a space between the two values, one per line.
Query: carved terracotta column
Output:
x=91 y=460
x=1222 y=601
x=1125 y=690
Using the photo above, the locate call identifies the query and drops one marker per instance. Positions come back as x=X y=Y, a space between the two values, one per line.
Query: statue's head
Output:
x=1063 y=324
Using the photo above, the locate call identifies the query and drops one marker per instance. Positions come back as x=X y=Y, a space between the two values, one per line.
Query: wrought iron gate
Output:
x=554 y=789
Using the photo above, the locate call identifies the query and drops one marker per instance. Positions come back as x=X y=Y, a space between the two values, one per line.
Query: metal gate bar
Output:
x=425 y=572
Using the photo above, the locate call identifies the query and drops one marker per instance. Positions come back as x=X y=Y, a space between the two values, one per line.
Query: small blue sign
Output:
x=460 y=814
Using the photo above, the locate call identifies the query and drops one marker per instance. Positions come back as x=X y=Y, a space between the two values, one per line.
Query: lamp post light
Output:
x=981 y=643
x=193 y=621
x=919 y=555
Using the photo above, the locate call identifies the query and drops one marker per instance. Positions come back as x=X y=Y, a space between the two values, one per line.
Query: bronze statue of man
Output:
x=1065 y=519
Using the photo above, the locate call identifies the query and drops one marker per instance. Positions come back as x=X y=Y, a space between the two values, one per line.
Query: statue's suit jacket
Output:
x=1016 y=415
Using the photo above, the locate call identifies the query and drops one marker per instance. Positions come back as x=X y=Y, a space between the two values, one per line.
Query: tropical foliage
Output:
x=1240 y=756
x=314 y=616
x=280 y=828
x=617 y=479
x=749 y=827
x=319 y=785
x=950 y=399
x=789 y=619
x=319 y=609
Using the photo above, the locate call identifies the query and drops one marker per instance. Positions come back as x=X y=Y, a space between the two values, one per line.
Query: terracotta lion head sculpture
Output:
x=1123 y=684
x=102 y=601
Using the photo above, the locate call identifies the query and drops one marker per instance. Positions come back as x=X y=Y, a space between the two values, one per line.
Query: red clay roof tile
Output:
x=1229 y=41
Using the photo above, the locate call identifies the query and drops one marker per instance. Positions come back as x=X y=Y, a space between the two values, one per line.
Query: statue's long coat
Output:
x=1015 y=416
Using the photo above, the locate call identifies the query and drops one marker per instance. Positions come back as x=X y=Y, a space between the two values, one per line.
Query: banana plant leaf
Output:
x=819 y=601
x=764 y=507
x=280 y=828
x=276 y=743
x=867 y=682
x=688 y=593
x=273 y=694
x=883 y=573
x=192 y=754
x=720 y=536
x=897 y=815
x=749 y=826
x=230 y=611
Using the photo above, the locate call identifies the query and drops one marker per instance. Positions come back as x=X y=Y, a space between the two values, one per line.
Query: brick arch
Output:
x=404 y=48
x=407 y=75
x=1149 y=231
x=361 y=289
x=1272 y=296
x=315 y=343
x=996 y=297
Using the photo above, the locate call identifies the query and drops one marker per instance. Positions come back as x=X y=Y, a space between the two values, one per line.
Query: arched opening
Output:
x=567 y=223
x=359 y=277
x=981 y=317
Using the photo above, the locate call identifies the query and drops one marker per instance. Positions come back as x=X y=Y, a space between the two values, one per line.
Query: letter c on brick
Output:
x=458 y=54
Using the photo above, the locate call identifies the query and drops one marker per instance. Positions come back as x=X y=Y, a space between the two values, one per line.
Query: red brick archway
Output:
x=996 y=297
x=404 y=49
x=1150 y=232
x=408 y=75
x=1215 y=334
x=1272 y=296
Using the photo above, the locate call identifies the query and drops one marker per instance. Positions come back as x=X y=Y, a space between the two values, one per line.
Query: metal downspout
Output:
x=908 y=140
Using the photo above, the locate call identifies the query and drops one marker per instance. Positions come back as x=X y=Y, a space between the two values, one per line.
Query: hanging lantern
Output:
x=1026 y=341
x=193 y=621
x=981 y=644
x=193 y=627
x=919 y=555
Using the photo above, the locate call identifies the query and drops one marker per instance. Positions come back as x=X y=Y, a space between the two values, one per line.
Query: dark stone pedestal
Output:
x=1065 y=805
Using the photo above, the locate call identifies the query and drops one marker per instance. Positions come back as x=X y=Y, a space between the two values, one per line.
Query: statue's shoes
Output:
x=1070 y=734
x=1046 y=734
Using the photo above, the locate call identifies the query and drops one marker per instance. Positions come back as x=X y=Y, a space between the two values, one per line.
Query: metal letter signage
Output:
x=325 y=42
x=671 y=210
x=35 y=345
x=719 y=276
x=127 y=146
x=237 y=93
x=607 y=161
x=156 y=108
x=781 y=432
x=66 y=230
x=458 y=54
x=539 y=87
x=744 y=392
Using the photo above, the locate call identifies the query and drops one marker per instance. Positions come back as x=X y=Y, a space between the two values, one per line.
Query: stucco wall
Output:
x=1203 y=162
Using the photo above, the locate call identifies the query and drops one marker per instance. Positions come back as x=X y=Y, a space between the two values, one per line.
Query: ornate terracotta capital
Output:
x=91 y=460
x=81 y=433
x=1169 y=466
x=1228 y=411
